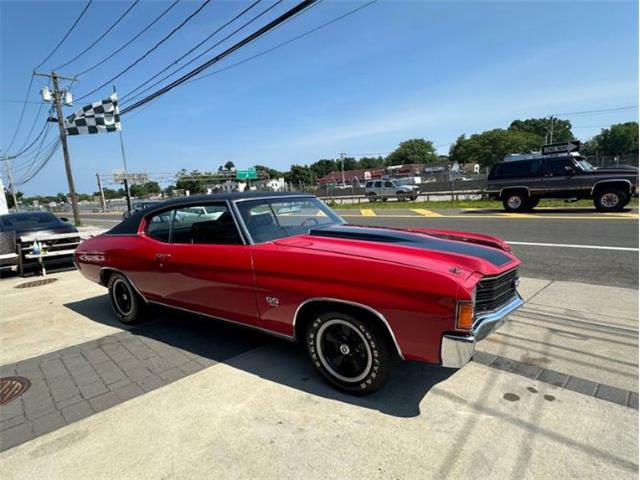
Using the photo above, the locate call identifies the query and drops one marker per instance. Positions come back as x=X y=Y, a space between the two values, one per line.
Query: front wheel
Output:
x=609 y=200
x=351 y=355
x=125 y=301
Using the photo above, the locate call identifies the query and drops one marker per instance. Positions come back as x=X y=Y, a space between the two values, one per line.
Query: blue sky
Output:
x=392 y=71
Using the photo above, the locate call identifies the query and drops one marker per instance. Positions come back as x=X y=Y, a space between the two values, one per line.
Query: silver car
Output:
x=384 y=189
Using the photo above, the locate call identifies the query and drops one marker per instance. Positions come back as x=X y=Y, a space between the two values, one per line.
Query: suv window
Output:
x=211 y=224
x=159 y=226
x=377 y=185
x=369 y=185
x=558 y=166
x=524 y=168
x=388 y=185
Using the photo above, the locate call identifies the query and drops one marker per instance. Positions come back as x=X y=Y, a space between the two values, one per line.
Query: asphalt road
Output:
x=561 y=233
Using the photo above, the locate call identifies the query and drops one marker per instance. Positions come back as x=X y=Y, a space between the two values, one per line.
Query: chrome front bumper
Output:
x=456 y=351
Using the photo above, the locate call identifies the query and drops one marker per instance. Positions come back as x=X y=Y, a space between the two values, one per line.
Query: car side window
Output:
x=525 y=168
x=369 y=185
x=388 y=185
x=210 y=223
x=159 y=226
x=558 y=166
x=377 y=185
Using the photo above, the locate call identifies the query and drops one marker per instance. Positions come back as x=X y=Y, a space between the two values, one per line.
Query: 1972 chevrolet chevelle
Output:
x=360 y=298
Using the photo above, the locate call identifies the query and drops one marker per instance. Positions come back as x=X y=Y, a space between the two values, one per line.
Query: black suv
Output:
x=520 y=184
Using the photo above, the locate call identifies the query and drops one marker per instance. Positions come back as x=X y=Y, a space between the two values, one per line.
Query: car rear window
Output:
x=525 y=168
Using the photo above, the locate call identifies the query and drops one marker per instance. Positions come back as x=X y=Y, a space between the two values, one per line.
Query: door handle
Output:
x=162 y=258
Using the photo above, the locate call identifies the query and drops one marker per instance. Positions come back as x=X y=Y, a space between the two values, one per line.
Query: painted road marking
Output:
x=565 y=245
x=367 y=212
x=425 y=213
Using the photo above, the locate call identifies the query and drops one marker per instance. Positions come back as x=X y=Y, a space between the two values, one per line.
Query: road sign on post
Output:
x=250 y=174
x=564 y=147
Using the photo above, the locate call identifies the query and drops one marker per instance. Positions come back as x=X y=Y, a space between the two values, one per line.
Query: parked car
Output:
x=385 y=189
x=23 y=223
x=359 y=298
x=135 y=206
x=521 y=184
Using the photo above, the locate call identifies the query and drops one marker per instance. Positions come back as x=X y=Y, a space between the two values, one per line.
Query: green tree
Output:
x=324 y=167
x=490 y=147
x=229 y=165
x=542 y=127
x=416 y=150
x=619 y=139
x=9 y=197
x=270 y=171
x=299 y=174
x=370 y=162
x=61 y=197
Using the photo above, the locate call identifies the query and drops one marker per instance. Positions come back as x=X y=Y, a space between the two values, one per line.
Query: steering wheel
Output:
x=309 y=221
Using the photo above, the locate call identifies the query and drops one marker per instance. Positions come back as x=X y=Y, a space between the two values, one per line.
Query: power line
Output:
x=182 y=24
x=274 y=23
x=604 y=110
x=106 y=32
x=287 y=42
x=20 y=101
x=175 y=62
x=23 y=150
x=24 y=106
x=86 y=7
x=126 y=44
x=44 y=162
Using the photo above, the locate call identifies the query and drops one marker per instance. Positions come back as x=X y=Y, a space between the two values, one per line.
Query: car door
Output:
x=559 y=177
x=389 y=189
x=207 y=266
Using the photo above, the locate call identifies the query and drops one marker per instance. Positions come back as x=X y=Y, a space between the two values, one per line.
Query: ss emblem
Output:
x=273 y=301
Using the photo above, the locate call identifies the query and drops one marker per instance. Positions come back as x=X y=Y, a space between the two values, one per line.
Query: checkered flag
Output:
x=99 y=117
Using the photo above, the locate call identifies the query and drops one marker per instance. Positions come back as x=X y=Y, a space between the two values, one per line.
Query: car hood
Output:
x=457 y=254
x=48 y=230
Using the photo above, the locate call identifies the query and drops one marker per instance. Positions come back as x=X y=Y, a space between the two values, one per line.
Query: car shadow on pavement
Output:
x=268 y=357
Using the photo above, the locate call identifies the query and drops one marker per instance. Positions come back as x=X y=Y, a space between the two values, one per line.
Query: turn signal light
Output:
x=464 y=319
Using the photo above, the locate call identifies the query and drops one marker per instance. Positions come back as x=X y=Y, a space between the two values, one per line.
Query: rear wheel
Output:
x=515 y=201
x=373 y=197
x=351 y=355
x=125 y=301
x=609 y=200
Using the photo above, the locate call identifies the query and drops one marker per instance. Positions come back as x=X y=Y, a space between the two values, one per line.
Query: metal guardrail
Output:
x=454 y=195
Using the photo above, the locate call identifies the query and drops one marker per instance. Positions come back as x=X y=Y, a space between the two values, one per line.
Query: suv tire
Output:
x=609 y=200
x=517 y=201
x=351 y=355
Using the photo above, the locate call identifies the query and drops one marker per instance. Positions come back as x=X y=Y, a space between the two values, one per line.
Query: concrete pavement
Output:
x=255 y=407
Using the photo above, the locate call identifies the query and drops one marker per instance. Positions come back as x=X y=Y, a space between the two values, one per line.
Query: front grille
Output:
x=493 y=292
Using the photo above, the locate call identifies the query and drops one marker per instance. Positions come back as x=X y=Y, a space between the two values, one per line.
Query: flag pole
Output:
x=124 y=162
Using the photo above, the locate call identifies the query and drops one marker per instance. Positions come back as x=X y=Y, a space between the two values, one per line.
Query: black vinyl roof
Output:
x=131 y=223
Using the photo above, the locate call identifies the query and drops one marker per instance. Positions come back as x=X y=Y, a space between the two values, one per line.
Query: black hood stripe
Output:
x=425 y=242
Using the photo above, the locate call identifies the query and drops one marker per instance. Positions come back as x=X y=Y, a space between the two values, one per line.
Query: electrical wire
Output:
x=258 y=33
x=287 y=42
x=129 y=42
x=24 y=106
x=175 y=62
x=106 y=32
x=604 y=110
x=182 y=24
x=43 y=163
x=84 y=10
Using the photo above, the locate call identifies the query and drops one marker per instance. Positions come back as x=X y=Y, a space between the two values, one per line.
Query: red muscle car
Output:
x=360 y=298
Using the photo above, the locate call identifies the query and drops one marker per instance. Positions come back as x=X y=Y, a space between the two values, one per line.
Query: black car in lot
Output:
x=522 y=183
x=26 y=223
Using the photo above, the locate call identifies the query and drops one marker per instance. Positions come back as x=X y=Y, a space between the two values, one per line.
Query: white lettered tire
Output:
x=352 y=355
x=125 y=301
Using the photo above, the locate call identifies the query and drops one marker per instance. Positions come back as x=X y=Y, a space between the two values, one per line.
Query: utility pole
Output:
x=124 y=162
x=57 y=100
x=342 y=160
x=101 y=190
x=551 y=132
x=10 y=178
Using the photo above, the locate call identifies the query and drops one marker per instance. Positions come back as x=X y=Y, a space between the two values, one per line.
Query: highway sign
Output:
x=250 y=174
x=564 y=147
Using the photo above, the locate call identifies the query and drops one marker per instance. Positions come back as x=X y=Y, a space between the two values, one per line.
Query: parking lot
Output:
x=553 y=394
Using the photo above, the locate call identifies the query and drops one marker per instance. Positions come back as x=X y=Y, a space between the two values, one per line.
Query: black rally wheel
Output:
x=125 y=301
x=609 y=200
x=352 y=355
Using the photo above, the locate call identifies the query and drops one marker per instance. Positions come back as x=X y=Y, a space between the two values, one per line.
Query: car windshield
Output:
x=586 y=166
x=26 y=220
x=270 y=219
